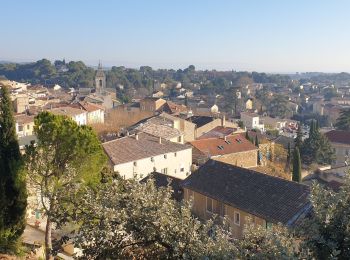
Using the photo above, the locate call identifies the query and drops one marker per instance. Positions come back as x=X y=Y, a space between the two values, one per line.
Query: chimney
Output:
x=225 y=138
x=137 y=136
x=223 y=121
x=160 y=140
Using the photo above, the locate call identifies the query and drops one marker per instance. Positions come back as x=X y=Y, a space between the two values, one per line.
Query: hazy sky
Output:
x=270 y=36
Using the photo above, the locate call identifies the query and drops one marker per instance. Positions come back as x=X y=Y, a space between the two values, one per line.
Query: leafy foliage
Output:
x=316 y=148
x=13 y=196
x=65 y=153
x=123 y=219
x=327 y=233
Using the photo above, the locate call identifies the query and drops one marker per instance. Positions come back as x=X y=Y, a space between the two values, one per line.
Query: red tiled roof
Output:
x=218 y=146
x=338 y=136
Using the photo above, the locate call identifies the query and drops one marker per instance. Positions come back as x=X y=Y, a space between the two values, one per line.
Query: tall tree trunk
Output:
x=48 y=240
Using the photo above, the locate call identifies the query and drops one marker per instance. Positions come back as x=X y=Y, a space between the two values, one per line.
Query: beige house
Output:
x=141 y=154
x=340 y=142
x=20 y=103
x=244 y=196
x=24 y=125
x=151 y=104
x=249 y=104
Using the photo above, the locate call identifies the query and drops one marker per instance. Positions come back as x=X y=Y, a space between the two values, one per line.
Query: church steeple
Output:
x=100 y=79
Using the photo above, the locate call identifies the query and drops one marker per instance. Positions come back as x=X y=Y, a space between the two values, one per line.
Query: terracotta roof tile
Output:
x=218 y=146
x=338 y=136
x=129 y=149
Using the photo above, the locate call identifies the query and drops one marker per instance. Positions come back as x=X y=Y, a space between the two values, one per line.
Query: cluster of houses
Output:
x=205 y=157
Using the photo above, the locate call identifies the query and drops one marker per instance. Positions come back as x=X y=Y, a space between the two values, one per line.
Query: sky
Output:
x=254 y=35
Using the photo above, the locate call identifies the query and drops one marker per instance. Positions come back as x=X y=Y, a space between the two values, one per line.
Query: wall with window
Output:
x=205 y=207
x=342 y=153
x=176 y=164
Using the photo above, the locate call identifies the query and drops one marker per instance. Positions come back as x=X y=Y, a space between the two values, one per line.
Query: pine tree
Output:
x=296 y=175
x=13 y=197
x=343 y=121
x=299 y=139
x=316 y=148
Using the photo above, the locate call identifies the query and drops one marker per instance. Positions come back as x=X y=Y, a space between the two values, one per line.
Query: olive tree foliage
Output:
x=66 y=154
x=276 y=242
x=327 y=233
x=123 y=219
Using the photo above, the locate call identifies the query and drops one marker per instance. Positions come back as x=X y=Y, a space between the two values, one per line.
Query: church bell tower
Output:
x=100 y=79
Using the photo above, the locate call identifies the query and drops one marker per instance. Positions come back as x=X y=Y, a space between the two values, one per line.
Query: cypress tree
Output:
x=296 y=174
x=246 y=135
x=256 y=141
x=289 y=157
x=299 y=138
x=13 y=197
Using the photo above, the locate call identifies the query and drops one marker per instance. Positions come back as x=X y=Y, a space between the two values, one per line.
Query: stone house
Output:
x=141 y=154
x=244 y=196
x=151 y=104
x=340 y=142
x=233 y=149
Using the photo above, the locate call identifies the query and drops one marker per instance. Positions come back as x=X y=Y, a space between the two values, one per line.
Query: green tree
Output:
x=296 y=174
x=289 y=159
x=326 y=234
x=316 y=148
x=278 y=106
x=13 y=196
x=343 y=121
x=256 y=141
x=66 y=154
x=123 y=219
x=299 y=139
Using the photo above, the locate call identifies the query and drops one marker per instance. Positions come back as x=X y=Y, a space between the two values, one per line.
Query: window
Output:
x=28 y=127
x=152 y=159
x=164 y=171
x=175 y=171
x=135 y=163
x=179 y=139
x=175 y=154
x=20 y=128
x=182 y=169
x=237 y=218
x=165 y=156
x=209 y=205
x=100 y=83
